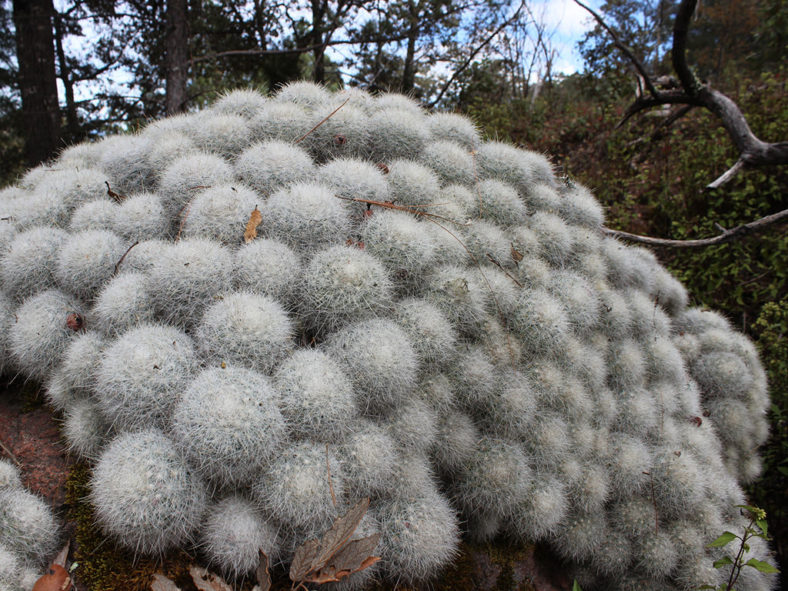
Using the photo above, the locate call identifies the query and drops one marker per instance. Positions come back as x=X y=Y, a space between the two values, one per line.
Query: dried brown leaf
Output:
x=313 y=555
x=304 y=560
x=255 y=219
x=333 y=540
x=353 y=557
x=206 y=581
x=263 y=575
x=162 y=583
x=517 y=256
x=56 y=579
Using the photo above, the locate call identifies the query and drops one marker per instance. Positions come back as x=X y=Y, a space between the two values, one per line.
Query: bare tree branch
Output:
x=472 y=55
x=624 y=49
x=725 y=236
x=752 y=150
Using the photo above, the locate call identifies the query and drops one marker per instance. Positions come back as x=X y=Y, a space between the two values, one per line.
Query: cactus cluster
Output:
x=29 y=533
x=424 y=318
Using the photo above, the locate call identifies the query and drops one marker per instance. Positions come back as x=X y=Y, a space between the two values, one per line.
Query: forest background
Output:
x=494 y=60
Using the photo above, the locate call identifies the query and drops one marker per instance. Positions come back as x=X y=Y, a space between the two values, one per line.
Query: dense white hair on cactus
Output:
x=401 y=243
x=267 y=267
x=580 y=534
x=621 y=272
x=122 y=303
x=634 y=517
x=613 y=556
x=451 y=127
x=657 y=555
x=307 y=94
x=497 y=160
x=285 y=122
x=474 y=378
x=73 y=187
x=124 y=159
x=540 y=320
x=30 y=262
x=679 y=487
x=87 y=261
x=696 y=569
x=615 y=319
x=273 y=165
x=548 y=440
x=587 y=360
x=579 y=298
x=306 y=216
x=186 y=277
x=27 y=525
x=10 y=476
x=245 y=329
x=578 y=206
x=450 y=161
x=225 y=135
x=554 y=236
x=435 y=390
x=420 y=536
x=664 y=361
x=84 y=155
x=720 y=373
x=141 y=217
x=228 y=425
x=396 y=133
x=627 y=365
x=455 y=440
x=495 y=478
x=345 y=133
x=368 y=455
x=245 y=102
x=141 y=257
x=144 y=494
x=40 y=335
x=98 y=214
x=84 y=429
x=38 y=209
x=76 y=371
x=221 y=213
x=379 y=359
x=411 y=183
x=188 y=174
x=392 y=100
x=559 y=390
x=671 y=294
x=317 y=398
x=11 y=568
x=434 y=338
x=350 y=178
x=461 y=295
x=342 y=284
x=499 y=202
x=233 y=533
x=483 y=240
x=510 y=409
x=165 y=146
x=295 y=486
x=356 y=97
x=639 y=414
x=413 y=425
x=542 y=197
x=541 y=514
x=140 y=374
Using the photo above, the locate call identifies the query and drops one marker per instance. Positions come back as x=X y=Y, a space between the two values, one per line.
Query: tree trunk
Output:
x=177 y=59
x=318 y=13
x=409 y=71
x=72 y=132
x=35 y=54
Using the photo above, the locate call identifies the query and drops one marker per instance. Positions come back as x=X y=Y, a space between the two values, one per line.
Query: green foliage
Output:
x=756 y=528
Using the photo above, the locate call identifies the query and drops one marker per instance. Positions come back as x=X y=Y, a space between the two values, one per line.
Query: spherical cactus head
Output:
x=144 y=493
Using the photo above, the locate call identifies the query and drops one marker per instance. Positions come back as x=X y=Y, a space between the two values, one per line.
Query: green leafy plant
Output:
x=756 y=528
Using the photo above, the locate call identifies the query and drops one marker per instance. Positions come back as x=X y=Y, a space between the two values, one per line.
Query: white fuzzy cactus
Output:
x=417 y=303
